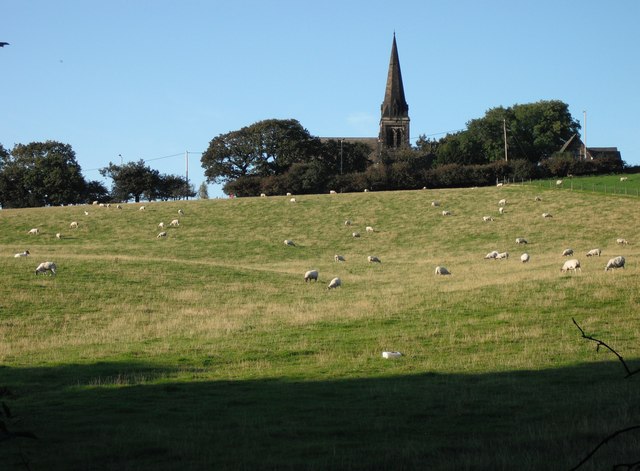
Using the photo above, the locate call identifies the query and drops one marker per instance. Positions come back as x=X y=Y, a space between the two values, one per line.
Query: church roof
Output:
x=394 y=104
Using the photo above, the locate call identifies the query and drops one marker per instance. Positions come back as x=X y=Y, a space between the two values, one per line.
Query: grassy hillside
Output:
x=207 y=350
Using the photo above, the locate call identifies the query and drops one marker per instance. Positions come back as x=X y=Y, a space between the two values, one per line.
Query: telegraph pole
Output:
x=585 y=134
x=186 y=159
x=504 y=130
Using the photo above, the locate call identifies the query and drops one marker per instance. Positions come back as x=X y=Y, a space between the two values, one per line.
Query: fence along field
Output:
x=206 y=349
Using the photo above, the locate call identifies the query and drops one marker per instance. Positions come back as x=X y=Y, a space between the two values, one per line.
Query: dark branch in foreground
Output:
x=601 y=343
x=604 y=442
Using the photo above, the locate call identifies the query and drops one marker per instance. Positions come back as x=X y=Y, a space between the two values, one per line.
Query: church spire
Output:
x=394 y=119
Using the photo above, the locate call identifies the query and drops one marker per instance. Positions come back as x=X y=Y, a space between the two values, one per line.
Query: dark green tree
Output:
x=40 y=173
x=132 y=180
x=174 y=187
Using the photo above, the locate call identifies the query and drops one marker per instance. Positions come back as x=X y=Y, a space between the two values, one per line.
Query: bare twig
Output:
x=627 y=466
x=604 y=442
x=601 y=343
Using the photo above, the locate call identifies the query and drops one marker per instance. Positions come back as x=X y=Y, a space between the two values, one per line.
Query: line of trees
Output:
x=47 y=173
x=279 y=156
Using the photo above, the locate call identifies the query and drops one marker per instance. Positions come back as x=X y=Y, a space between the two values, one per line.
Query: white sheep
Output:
x=616 y=262
x=546 y=215
x=174 y=223
x=623 y=179
x=45 y=267
x=347 y=222
x=594 y=253
x=442 y=271
x=22 y=254
x=501 y=209
x=567 y=252
x=95 y=203
x=161 y=234
x=332 y=192
x=502 y=256
x=288 y=194
x=161 y=225
x=34 y=231
x=311 y=275
x=58 y=235
x=289 y=243
x=180 y=212
x=622 y=241
x=558 y=182
x=355 y=234
x=499 y=184
x=571 y=265
x=142 y=208
x=119 y=206
x=521 y=240
x=338 y=258
x=537 y=198
x=263 y=195
x=373 y=259
x=86 y=213
x=435 y=204
x=502 y=202
x=292 y=200
x=491 y=255
x=524 y=258
x=366 y=190
x=368 y=229
x=446 y=213
x=335 y=283
x=74 y=225
x=487 y=218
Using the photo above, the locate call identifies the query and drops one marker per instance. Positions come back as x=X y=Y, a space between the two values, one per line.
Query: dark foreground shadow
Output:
x=128 y=417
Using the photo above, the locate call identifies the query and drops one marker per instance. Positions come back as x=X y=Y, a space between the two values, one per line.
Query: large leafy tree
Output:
x=132 y=180
x=40 y=173
x=264 y=148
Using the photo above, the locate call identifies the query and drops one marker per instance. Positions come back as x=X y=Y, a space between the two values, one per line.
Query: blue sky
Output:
x=155 y=79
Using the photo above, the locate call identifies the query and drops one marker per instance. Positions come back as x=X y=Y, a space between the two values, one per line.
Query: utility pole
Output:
x=341 y=156
x=504 y=130
x=186 y=159
x=585 y=134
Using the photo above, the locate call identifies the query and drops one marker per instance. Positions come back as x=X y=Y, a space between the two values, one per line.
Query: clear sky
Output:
x=154 y=80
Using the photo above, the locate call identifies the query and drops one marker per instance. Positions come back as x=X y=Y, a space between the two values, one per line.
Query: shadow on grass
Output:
x=115 y=416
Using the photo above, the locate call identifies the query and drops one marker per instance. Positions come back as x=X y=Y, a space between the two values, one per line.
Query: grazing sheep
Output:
x=45 y=267
x=22 y=254
x=34 y=231
x=524 y=258
x=571 y=265
x=499 y=184
x=446 y=213
x=58 y=235
x=622 y=241
x=142 y=208
x=86 y=213
x=617 y=262
x=623 y=179
x=288 y=194
x=119 y=206
x=174 y=223
x=521 y=240
x=335 y=283
x=594 y=252
x=501 y=210
x=162 y=234
x=161 y=225
x=502 y=202
x=289 y=243
x=558 y=182
x=537 y=198
x=181 y=212
x=292 y=200
x=366 y=190
x=263 y=195
x=442 y=271
x=94 y=203
x=373 y=259
x=355 y=234
x=347 y=222
x=487 y=218
x=74 y=225
x=311 y=275
x=368 y=229
x=332 y=192
x=435 y=204
x=502 y=256
x=491 y=255
x=338 y=258
x=567 y=252
x=547 y=215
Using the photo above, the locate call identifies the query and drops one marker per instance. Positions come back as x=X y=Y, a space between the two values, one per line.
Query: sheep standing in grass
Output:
x=58 y=235
x=161 y=235
x=311 y=275
x=524 y=258
x=435 y=204
x=446 y=213
x=119 y=206
x=537 y=198
x=622 y=241
x=442 y=271
x=571 y=265
x=289 y=243
x=501 y=209
x=174 y=223
x=338 y=258
x=502 y=202
x=491 y=255
x=263 y=195
x=347 y=222
x=623 y=179
x=335 y=283
x=567 y=252
x=292 y=200
x=45 y=267
x=546 y=215
x=487 y=218
x=142 y=208
x=180 y=212
x=74 y=225
x=34 y=231
x=594 y=253
x=521 y=240
x=161 y=225
x=355 y=234
x=86 y=213
x=502 y=256
x=368 y=229
x=373 y=259
x=22 y=254
x=617 y=262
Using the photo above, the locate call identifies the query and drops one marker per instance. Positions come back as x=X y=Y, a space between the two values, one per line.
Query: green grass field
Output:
x=207 y=350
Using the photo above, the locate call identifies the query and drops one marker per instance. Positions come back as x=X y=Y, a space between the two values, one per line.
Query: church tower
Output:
x=394 y=119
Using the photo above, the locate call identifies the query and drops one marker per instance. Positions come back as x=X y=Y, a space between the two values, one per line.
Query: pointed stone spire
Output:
x=394 y=119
